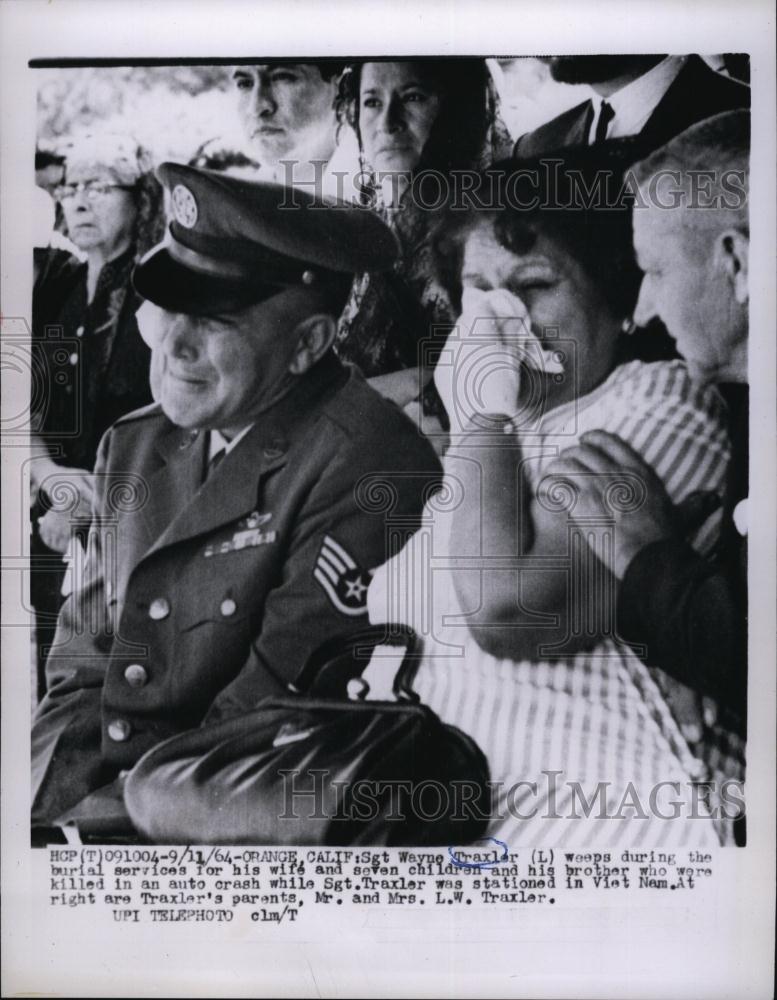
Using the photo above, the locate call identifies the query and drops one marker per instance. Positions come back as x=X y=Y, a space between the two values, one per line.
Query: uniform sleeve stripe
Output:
x=333 y=546
x=332 y=558
x=323 y=566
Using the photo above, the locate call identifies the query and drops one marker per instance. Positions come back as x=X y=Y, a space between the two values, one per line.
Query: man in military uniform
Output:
x=236 y=519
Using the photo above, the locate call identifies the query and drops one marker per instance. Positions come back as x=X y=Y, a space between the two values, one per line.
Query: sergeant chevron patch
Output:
x=343 y=581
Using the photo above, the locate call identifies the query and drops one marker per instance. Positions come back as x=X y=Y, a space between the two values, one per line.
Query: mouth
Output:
x=267 y=130
x=395 y=149
x=186 y=378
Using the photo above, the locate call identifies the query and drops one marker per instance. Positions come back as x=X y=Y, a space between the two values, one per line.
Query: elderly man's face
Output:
x=286 y=111
x=220 y=372
x=688 y=286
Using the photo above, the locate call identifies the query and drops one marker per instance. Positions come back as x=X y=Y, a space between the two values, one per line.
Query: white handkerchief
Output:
x=499 y=304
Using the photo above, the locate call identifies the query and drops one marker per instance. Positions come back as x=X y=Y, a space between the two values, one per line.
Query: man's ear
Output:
x=314 y=337
x=732 y=250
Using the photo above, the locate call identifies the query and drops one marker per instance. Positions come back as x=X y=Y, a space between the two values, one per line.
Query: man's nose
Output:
x=179 y=339
x=645 y=309
x=264 y=99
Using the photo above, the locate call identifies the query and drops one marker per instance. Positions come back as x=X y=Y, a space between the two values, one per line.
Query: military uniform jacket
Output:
x=200 y=597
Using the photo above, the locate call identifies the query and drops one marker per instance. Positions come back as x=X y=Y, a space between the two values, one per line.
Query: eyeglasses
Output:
x=92 y=190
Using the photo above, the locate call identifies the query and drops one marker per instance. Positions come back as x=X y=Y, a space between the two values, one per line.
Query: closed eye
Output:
x=522 y=287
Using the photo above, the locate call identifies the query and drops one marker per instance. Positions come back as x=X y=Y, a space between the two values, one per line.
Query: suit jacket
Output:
x=697 y=92
x=199 y=599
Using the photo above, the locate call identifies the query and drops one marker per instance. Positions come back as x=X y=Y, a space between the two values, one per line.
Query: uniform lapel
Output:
x=578 y=134
x=229 y=493
x=182 y=506
x=181 y=455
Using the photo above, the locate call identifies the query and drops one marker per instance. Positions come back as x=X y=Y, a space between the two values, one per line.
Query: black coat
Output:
x=91 y=364
x=698 y=92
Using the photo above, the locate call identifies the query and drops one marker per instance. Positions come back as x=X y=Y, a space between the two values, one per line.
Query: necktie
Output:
x=214 y=463
x=606 y=115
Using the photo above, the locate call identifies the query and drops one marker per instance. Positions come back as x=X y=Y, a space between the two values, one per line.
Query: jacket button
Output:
x=228 y=607
x=158 y=609
x=119 y=730
x=135 y=675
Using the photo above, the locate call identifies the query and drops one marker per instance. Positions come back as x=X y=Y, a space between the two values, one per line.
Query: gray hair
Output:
x=720 y=148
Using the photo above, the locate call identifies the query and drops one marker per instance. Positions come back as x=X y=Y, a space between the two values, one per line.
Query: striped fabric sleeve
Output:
x=678 y=428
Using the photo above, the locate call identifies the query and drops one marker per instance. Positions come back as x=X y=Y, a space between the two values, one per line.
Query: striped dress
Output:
x=583 y=749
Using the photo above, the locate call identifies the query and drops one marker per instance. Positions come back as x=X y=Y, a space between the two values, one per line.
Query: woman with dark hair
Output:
x=92 y=362
x=521 y=644
x=416 y=124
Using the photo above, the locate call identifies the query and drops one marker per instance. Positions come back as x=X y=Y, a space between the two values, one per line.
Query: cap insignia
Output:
x=184 y=206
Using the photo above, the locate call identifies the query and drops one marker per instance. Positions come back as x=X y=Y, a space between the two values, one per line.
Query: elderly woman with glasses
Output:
x=91 y=365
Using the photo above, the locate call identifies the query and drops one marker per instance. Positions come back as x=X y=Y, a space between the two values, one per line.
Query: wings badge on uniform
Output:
x=343 y=581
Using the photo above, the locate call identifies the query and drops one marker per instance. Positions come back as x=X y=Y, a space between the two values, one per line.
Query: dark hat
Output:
x=234 y=242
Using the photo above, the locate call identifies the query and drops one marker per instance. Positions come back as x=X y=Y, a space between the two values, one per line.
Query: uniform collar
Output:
x=185 y=506
x=218 y=443
x=277 y=428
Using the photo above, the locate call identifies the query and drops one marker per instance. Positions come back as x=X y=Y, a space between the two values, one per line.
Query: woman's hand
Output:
x=479 y=369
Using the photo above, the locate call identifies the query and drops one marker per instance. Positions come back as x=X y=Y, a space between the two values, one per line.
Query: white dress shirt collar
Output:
x=636 y=102
x=217 y=442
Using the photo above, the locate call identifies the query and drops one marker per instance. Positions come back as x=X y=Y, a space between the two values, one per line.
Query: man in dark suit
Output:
x=654 y=97
x=235 y=521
